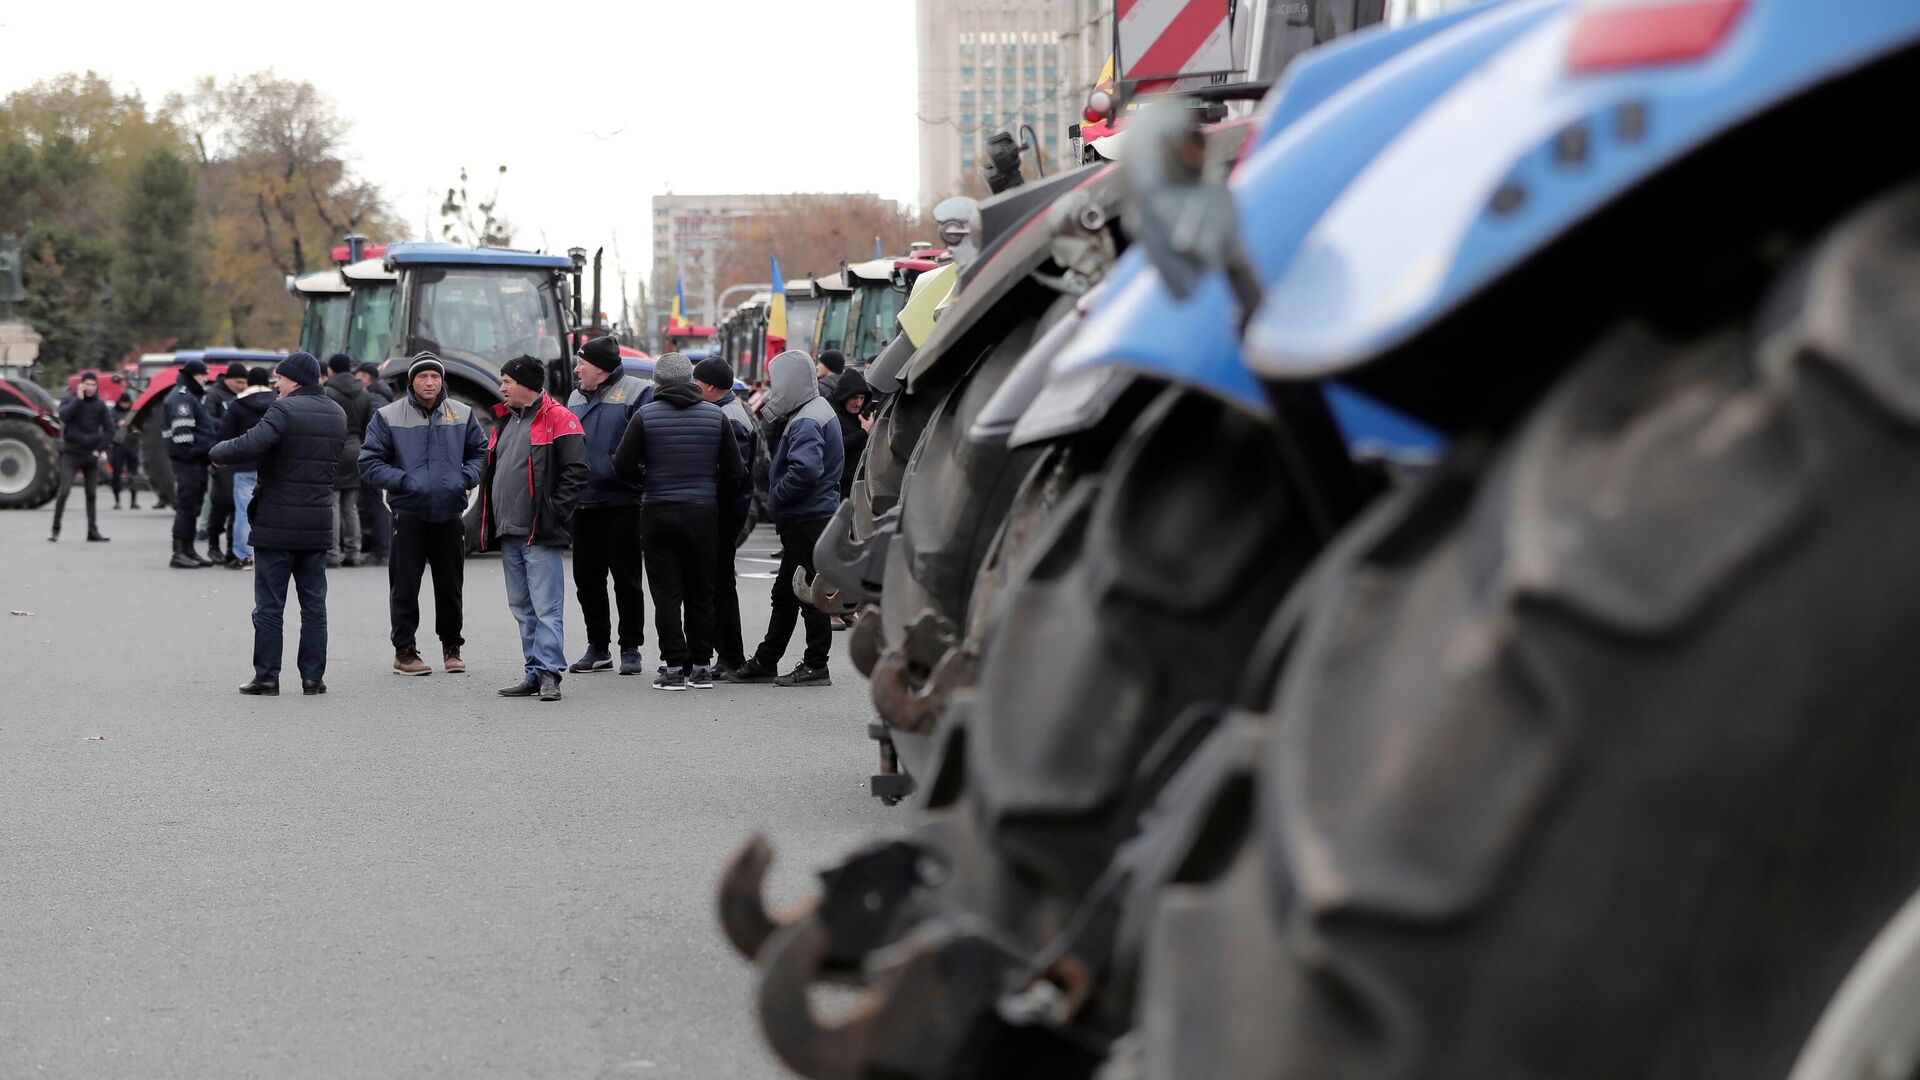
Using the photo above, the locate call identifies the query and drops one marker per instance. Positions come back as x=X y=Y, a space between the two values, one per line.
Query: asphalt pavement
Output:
x=406 y=877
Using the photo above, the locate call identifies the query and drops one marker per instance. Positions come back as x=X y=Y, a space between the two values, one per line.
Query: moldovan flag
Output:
x=676 y=316
x=776 y=311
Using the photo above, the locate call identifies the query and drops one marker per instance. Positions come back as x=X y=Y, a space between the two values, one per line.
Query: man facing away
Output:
x=803 y=491
x=606 y=522
x=189 y=438
x=426 y=451
x=294 y=448
x=376 y=525
x=827 y=368
x=348 y=392
x=220 y=395
x=536 y=467
x=241 y=416
x=715 y=379
x=685 y=450
x=86 y=430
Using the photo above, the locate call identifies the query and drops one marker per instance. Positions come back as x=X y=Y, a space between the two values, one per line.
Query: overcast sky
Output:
x=594 y=107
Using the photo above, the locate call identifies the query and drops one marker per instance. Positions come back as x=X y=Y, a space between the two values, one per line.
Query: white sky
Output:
x=594 y=107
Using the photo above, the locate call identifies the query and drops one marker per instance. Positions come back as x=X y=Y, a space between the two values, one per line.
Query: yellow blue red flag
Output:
x=677 y=316
x=776 y=305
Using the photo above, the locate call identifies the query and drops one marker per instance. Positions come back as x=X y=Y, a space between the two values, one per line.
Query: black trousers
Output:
x=727 y=645
x=607 y=540
x=680 y=542
x=271 y=569
x=376 y=522
x=88 y=467
x=417 y=545
x=125 y=462
x=220 y=518
x=189 y=490
x=796 y=550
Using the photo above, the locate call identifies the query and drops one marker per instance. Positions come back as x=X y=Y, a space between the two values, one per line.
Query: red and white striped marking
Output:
x=1161 y=39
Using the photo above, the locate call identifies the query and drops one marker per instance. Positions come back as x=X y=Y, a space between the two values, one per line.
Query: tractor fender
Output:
x=1497 y=168
x=47 y=424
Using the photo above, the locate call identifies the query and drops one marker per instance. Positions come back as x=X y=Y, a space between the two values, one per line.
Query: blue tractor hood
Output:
x=1494 y=169
x=1340 y=106
x=415 y=253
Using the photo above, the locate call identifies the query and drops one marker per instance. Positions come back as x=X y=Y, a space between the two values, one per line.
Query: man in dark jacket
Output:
x=849 y=400
x=804 y=490
x=246 y=411
x=827 y=368
x=606 y=522
x=715 y=379
x=221 y=394
x=376 y=524
x=123 y=457
x=686 y=452
x=189 y=437
x=536 y=468
x=86 y=431
x=426 y=451
x=294 y=447
x=351 y=395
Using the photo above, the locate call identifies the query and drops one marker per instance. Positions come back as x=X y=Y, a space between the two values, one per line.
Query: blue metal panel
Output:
x=1413 y=236
x=414 y=253
x=227 y=356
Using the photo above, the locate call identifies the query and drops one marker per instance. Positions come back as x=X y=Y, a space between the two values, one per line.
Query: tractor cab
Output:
x=323 y=325
x=874 y=306
x=369 y=331
x=833 y=299
x=475 y=308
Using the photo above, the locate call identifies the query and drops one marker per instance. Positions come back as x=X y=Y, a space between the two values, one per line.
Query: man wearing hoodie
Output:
x=684 y=452
x=606 y=523
x=86 y=431
x=536 y=468
x=348 y=392
x=425 y=452
x=849 y=399
x=246 y=411
x=804 y=490
x=714 y=376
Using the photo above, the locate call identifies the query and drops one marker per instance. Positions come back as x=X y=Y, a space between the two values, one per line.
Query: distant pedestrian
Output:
x=189 y=437
x=426 y=451
x=849 y=399
x=606 y=521
x=803 y=491
x=827 y=368
x=348 y=392
x=221 y=393
x=715 y=378
x=86 y=432
x=246 y=411
x=686 y=452
x=123 y=457
x=376 y=523
x=294 y=448
x=536 y=468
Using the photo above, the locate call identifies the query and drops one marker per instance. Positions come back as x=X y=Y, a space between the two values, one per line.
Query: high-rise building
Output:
x=993 y=65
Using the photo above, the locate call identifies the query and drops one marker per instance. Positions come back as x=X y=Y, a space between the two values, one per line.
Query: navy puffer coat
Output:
x=295 y=447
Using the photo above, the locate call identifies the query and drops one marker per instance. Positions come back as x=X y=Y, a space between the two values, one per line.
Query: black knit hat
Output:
x=340 y=363
x=258 y=377
x=424 y=361
x=90 y=375
x=235 y=370
x=602 y=352
x=526 y=371
x=833 y=360
x=303 y=368
x=714 y=372
x=193 y=367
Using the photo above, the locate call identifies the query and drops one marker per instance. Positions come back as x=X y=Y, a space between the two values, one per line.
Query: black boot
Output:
x=262 y=688
x=188 y=551
x=183 y=561
x=94 y=537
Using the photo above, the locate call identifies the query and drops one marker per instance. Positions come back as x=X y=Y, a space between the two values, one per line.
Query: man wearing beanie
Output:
x=425 y=451
x=715 y=379
x=246 y=411
x=827 y=368
x=683 y=451
x=351 y=395
x=803 y=492
x=606 y=521
x=189 y=437
x=221 y=394
x=86 y=431
x=294 y=449
x=376 y=525
x=536 y=468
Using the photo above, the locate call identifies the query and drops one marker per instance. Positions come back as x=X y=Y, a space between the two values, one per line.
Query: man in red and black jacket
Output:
x=536 y=469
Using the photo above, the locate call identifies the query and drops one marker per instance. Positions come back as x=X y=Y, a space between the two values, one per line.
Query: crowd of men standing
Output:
x=648 y=481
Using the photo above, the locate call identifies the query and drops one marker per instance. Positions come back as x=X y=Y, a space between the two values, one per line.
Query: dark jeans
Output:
x=271 y=569
x=88 y=467
x=375 y=521
x=680 y=542
x=607 y=540
x=220 y=518
x=796 y=550
x=189 y=490
x=727 y=645
x=418 y=544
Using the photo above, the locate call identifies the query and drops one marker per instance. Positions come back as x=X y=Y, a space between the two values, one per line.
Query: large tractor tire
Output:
x=1595 y=758
x=29 y=474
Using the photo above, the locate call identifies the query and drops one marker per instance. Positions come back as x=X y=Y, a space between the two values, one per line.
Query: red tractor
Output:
x=29 y=445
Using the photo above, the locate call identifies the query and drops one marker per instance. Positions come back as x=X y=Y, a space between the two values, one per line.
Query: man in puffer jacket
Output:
x=426 y=451
x=804 y=490
x=606 y=523
x=295 y=445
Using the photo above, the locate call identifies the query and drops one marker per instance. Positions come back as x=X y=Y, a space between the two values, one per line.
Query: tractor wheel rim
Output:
x=17 y=466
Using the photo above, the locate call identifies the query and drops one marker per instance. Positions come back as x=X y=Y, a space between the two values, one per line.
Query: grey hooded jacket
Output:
x=804 y=482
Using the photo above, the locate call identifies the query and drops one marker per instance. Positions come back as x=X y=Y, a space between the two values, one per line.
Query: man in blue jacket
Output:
x=803 y=492
x=606 y=520
x=426 y=451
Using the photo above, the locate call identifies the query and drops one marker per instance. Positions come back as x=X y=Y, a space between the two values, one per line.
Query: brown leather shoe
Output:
x=408 y=662
x=451 y=661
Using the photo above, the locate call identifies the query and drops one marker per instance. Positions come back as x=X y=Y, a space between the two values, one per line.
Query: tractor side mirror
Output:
x=1178 y=206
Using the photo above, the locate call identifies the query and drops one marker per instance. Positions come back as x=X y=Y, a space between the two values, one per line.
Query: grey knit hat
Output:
x=671 y=368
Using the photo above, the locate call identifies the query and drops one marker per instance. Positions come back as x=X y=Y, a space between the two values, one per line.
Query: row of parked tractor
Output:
x=1406 y=580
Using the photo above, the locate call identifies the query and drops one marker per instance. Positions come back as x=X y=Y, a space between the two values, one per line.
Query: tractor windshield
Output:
x=323 y=329
x=832 y=328
x=879 y=307
x=370 y=326
x=486 y=315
